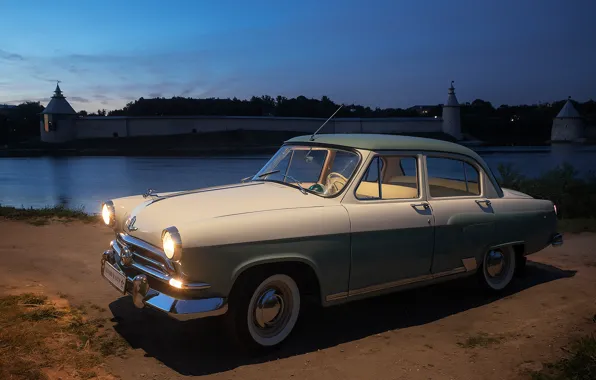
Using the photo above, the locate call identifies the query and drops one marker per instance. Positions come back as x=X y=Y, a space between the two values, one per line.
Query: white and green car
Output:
x=331 y=218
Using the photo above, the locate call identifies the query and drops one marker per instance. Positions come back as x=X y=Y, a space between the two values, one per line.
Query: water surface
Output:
x=87 y=181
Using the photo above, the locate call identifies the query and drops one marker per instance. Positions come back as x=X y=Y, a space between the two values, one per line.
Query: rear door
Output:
x=464 y=218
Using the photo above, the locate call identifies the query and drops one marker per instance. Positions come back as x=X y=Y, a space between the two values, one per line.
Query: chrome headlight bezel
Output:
x=174 y=235
x=109 y=206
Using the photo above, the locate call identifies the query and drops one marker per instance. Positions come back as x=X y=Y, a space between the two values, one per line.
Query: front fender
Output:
x=318 y=237
x=272 y=259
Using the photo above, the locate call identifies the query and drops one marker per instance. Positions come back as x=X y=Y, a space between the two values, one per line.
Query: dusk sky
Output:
x=378 y=53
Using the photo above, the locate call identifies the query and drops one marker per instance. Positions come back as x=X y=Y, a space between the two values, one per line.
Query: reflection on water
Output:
x=87 y=181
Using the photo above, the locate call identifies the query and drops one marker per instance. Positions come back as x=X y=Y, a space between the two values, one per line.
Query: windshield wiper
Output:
x=260 y=175
x=302 y=189
x=297 y=183
x=267 y=173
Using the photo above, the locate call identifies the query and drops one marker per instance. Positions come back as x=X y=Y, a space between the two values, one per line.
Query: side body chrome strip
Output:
x=469 y=265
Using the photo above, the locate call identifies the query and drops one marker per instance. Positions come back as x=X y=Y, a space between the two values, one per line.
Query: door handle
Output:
x=485 y=201
x=425 y=205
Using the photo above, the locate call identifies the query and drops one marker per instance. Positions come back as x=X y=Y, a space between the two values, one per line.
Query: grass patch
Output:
x=480 y=340
x=43 y=216
x=38 y=339
x=579 y=365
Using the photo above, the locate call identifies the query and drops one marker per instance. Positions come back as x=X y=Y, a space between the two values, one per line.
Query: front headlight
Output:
x=108 y=213
x=172 y=243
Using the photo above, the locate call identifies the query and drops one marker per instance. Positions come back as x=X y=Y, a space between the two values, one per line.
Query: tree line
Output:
x=521 y=124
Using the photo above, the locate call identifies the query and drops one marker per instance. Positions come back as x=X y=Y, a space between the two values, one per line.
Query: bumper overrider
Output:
x=177 y=303
x=556 y=240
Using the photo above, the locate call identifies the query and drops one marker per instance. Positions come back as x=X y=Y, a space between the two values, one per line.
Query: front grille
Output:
x=145 y=254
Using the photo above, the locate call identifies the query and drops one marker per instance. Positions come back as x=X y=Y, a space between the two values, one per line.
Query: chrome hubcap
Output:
x=272 y=309
x=269 y=308
x=495 y=263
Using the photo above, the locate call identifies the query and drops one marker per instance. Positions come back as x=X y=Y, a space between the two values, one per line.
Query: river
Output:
x=87 y=181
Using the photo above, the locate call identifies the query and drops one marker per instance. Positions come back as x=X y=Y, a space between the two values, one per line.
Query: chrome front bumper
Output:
x=180 y=309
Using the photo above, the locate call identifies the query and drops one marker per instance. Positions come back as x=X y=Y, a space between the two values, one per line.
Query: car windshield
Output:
x=318 y=170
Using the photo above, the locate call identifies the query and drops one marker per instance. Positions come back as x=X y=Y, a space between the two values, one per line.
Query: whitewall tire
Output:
x=273 y=310
x=498 y=268
x=265 y=310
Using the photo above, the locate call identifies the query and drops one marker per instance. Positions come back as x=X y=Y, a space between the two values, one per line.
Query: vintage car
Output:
x=332 y=218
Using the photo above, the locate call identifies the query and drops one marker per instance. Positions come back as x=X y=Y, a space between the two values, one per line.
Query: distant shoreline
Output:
x=213 y=144
x=208 y=152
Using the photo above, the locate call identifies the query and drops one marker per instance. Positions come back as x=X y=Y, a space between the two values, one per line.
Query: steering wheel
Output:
x=335 y=182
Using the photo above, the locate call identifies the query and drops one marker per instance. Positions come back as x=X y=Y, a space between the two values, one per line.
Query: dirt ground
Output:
x=447 y=331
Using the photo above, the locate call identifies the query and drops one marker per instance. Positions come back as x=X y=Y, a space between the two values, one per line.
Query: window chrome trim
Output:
x=349 y=181
x=458 y=157
x=419 y=176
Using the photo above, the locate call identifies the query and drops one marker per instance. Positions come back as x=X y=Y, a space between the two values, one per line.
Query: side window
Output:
x=449 y=177
x=369 y=186
x=398 y=179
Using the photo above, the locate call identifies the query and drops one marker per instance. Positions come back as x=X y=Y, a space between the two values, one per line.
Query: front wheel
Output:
x=264 y=313
x=498 y=268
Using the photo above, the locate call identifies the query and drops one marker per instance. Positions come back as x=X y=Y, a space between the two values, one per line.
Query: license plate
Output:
x=114 y=277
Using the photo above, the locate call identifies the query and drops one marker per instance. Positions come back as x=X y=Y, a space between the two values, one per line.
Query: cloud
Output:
x=44 y=79
x=155 y=95
x=79 y=99
x=8 y=56
x=21 y=101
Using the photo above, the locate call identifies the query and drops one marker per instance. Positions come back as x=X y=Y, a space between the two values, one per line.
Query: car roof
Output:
x=370 y=141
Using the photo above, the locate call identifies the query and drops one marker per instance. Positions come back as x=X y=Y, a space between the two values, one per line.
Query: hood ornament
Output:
x=150 y=193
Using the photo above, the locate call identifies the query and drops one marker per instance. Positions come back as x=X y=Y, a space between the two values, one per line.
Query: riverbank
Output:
x=418 y=334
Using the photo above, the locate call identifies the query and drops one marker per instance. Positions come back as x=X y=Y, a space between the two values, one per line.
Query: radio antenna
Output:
x=331 y=117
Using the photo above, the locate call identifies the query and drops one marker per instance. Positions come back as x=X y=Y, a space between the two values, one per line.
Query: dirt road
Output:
x=448 y=331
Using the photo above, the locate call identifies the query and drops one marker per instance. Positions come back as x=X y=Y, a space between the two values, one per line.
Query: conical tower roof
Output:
x=58 y=104
x=568 y=111
x=451 y=99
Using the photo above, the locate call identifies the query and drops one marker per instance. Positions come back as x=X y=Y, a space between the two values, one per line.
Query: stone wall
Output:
x=107 y=127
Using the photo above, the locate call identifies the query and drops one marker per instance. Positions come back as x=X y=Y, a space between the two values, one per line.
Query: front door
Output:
x=391 y=224
x=464 y=219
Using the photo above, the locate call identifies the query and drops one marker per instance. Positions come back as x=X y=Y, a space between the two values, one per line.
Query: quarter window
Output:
x=448 y=177
x=390 y=177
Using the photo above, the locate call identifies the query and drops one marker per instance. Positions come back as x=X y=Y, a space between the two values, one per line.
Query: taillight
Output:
x=555 y=207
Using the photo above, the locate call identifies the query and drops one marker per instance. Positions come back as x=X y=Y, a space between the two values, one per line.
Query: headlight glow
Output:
x=108 y=213
x=105 y=214
x=172 y=243
x=168 y=245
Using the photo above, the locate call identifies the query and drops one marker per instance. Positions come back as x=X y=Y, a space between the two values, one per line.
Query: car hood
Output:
x=185 y=208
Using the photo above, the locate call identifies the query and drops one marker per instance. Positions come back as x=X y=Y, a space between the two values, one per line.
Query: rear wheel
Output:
x=264 y=311
x=498 y=268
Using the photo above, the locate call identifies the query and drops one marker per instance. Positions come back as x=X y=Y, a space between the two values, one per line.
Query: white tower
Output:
x=568 y=125
x=57 y=122
x=451 y=115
